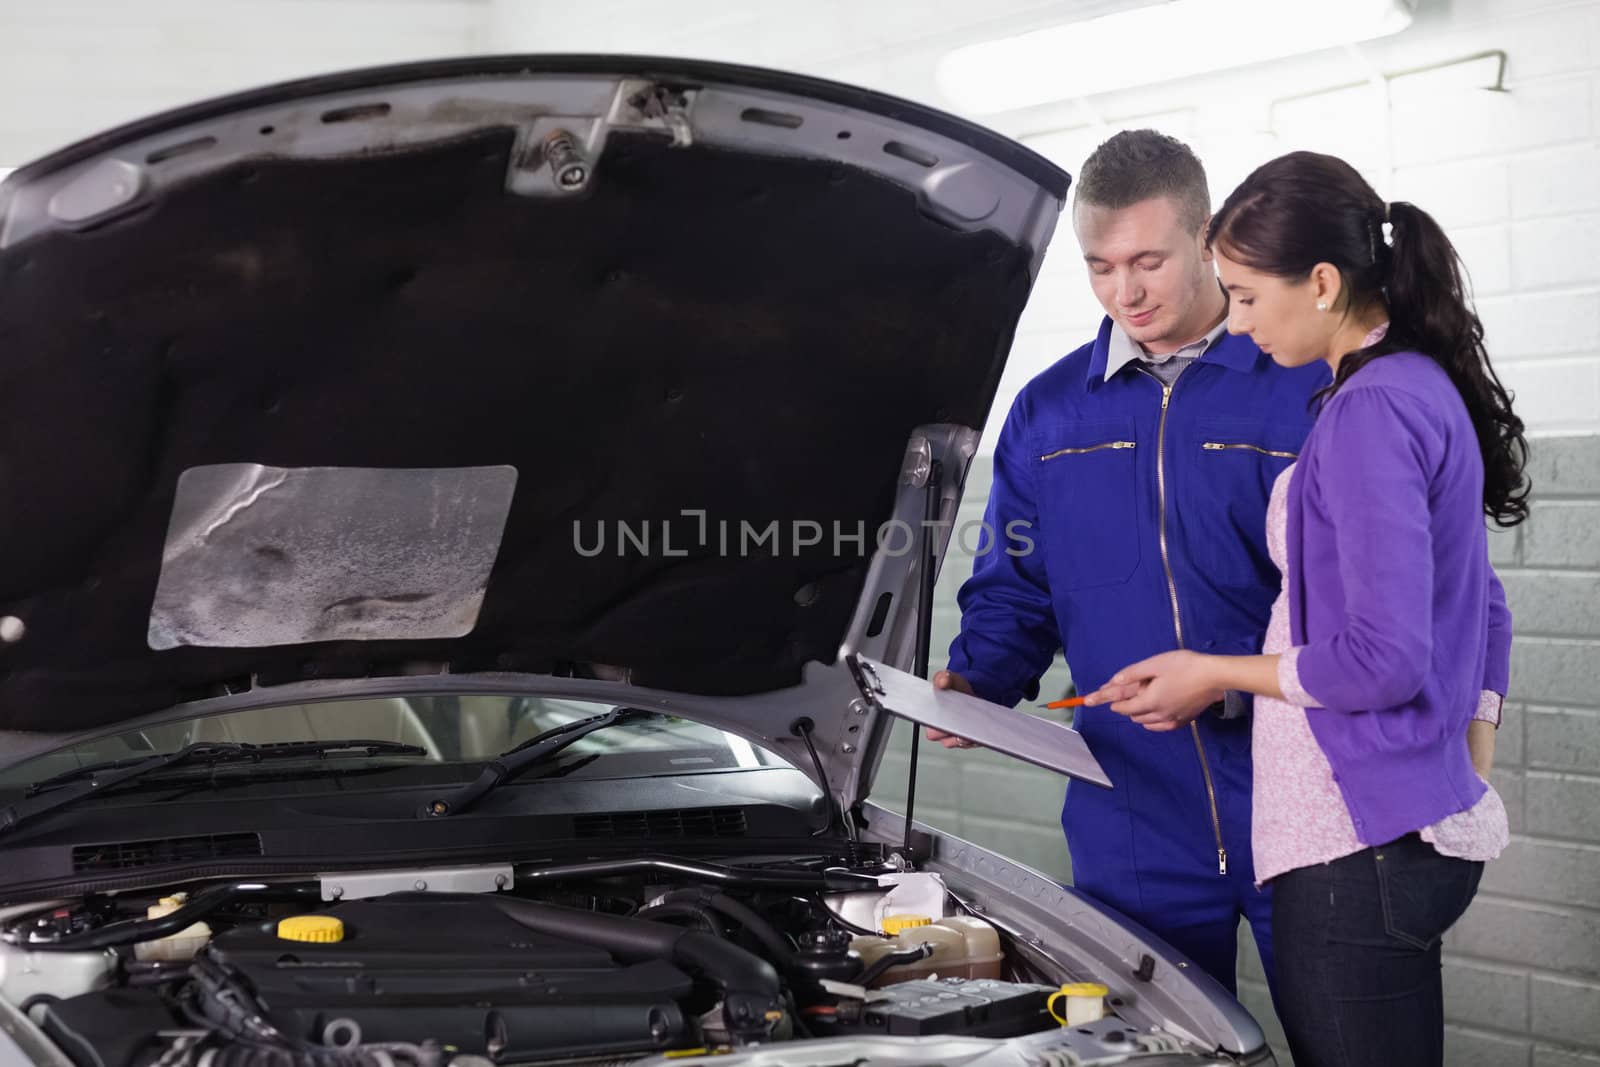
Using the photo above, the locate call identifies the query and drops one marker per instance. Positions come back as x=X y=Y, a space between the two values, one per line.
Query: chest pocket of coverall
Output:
x=1085 y=476
x=1237 y=460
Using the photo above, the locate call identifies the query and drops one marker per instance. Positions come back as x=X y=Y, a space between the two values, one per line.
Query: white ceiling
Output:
x=892 y=45
x=72 y=67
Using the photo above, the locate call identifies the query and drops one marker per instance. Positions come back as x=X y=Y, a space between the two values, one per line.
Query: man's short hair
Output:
x=1139 y=165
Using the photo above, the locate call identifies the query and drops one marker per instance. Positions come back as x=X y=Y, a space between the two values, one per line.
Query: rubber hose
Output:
x=683 y=910
x=893 y=959
x=750 y=987
x=747 y=917
x=197 y=908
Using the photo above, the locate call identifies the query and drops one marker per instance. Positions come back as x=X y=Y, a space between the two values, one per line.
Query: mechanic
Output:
x=1143 y=462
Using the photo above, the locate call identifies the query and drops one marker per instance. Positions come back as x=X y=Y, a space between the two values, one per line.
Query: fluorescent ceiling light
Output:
x=1161 y=42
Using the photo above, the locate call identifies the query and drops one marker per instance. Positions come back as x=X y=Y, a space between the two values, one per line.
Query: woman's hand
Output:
x=1163 y=692
x=1480 y=742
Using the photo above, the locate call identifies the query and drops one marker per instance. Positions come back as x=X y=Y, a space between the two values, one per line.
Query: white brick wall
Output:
x=1514 y=176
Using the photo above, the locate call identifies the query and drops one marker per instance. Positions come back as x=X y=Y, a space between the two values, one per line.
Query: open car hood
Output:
x=508 y=372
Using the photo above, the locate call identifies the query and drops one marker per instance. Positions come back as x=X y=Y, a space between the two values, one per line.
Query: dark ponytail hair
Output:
x=1303 y=209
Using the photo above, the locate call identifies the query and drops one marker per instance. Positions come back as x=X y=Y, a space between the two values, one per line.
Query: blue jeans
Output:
x=1358 y=945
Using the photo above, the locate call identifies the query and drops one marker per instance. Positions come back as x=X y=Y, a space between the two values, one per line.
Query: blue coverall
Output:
x=1146 y=505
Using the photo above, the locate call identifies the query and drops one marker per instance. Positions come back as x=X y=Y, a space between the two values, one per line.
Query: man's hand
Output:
x=1163 y=692
x=950 y=680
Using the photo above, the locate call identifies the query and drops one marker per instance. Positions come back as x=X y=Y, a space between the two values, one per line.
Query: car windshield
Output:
x=446 y=728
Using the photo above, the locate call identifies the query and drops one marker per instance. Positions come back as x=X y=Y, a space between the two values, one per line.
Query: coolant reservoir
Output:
x=905 y=892
x=179 y=946
x=963 y=947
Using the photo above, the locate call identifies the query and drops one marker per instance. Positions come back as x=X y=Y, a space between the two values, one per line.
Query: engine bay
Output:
x=637 y=961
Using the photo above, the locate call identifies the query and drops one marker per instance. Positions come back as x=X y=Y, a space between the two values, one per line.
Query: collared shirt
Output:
x=1122 y=350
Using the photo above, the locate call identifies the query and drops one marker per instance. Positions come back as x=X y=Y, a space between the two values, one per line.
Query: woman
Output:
x=1391 y=639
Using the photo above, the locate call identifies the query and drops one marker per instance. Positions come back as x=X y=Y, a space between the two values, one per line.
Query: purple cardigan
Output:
x=1402 y=619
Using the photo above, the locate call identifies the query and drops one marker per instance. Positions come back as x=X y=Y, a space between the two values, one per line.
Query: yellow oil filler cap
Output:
x=893 y=924
x=320 y=928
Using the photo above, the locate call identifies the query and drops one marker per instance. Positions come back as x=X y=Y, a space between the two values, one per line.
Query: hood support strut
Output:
x=925 y=586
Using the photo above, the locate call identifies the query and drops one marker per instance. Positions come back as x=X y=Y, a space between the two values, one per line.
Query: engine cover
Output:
x=454 y=968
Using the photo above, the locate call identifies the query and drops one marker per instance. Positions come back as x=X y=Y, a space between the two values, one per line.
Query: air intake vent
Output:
x=673 y=822
x=124 y=855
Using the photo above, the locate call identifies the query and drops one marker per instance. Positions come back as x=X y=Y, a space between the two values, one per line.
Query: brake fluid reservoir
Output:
x=963 y=947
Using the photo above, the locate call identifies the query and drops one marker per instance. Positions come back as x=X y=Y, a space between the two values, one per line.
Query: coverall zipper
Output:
x=1177 y=618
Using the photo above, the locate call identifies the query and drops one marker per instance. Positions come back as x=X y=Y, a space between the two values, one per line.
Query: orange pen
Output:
x=1070 y=702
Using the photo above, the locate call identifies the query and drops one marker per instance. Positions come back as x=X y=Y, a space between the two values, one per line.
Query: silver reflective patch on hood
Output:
x=258 y=556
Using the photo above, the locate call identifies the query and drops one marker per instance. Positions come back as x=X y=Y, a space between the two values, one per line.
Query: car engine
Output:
x=597 y=968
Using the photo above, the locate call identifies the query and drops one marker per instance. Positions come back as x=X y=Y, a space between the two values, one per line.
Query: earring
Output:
x=1322 y=305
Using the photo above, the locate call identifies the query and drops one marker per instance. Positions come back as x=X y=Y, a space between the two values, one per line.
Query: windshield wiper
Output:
x=515 y=761
x=69 y=787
